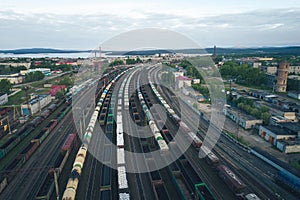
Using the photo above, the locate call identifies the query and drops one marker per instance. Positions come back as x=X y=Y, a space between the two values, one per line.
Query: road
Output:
x=47 y=78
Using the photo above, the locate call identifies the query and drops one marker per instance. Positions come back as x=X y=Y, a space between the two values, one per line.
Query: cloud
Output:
x=86 y=31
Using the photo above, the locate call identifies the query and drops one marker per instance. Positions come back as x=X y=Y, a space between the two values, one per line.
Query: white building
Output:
x=196 y=81
x=183 y=81
x=13 y=78
x=294 y=70
x=176 y=74
x=271 y=70
x=257 y=65
x=45 y=71
x=244 y=120
x=27 y=65
x=36 y=104
x=3 y=98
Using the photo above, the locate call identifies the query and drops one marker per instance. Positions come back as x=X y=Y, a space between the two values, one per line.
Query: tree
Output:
x=264 y=109
x=243 y=74
x=60 y=94
x=202 y=89
x=34 y=76
x=116 y=62
x=5 y=86
x=66 y=80
x=184 y=64
x=266 y=117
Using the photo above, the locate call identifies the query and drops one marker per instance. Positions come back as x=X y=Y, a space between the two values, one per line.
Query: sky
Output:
x=74 y=24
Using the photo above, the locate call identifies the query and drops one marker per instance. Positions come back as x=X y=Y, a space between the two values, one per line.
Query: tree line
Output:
x=5 y=86
x=7 y=69
x=243 y=74
x=248 y=106
x=34 y=76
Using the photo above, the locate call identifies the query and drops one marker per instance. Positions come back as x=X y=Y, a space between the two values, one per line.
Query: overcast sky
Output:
x=74 y=24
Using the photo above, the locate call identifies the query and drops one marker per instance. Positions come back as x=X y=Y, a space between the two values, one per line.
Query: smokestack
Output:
x=282 y=76
x=215 y=52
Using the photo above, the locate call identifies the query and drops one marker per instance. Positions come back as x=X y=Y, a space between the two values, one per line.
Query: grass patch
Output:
x=296 y=164
x=16 y=99
x=239 y=139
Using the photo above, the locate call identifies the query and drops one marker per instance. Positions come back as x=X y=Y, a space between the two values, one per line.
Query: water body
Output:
x=49 y=55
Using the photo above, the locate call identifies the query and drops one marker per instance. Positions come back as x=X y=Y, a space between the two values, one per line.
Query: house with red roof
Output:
x=183 y=81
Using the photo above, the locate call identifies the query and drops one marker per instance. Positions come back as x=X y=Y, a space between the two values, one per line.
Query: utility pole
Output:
x=26 y=97
x=238 y=125
x=15 y=111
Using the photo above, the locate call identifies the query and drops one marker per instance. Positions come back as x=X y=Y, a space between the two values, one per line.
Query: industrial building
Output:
x=36 y=104
x=244 y=120
x=273 y=133
x=294 y=94
x=45 y=71
x=275 y=120
x=13 y=64
x=13 y=78
x=285 y=136
x=3 y=98
x=288 y=146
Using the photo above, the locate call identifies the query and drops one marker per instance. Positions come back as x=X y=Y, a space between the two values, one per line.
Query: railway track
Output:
x=135 y=146
x=246 y=169
x=187 y=189
x=27 y=186
x=206 y=174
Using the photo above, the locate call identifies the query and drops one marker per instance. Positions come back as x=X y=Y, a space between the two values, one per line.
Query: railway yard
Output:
x=130 y=141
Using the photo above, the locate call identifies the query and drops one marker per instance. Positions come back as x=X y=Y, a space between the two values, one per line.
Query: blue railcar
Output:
x=289 y=180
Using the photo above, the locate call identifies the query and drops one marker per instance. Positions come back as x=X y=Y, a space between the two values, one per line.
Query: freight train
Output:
x=191 y=136
x=156 y=132
x=70 y=191
x=234 y=183
x=24 y=131
x=122 y=178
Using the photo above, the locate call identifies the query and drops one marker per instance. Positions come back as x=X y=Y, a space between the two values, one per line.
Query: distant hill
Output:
x=41 y=50
x=220 y=51
x=291 y=50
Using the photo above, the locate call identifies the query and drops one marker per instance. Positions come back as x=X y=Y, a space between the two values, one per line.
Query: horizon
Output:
x=85 y=25
x=218 y=47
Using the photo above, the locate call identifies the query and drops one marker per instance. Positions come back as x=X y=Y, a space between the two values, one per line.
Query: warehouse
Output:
x=288 y=146
x=244 y=120
x=274 y=133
